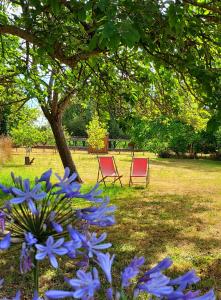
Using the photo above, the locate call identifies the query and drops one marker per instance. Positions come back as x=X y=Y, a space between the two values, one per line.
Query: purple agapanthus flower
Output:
x=105 y=261
x=25 y=260
x=161 y=266
x=5 y=189
x=45 y=177
x=30 y=239
x=1 y=282
x=192 y=296
x=93 y=243
x=56 y=226
x=51 y=249
x=85 y=286
x=67 y=184
x=92 y=195
x=178 y=295
x=131 y=271
x=208 y=296
x=72 y=248
x=28 y=195
x=111 y=294
x=2 y=221
x=5 y=242
x=100 y=216
x=17 y=180
x=36 y=296
x=184 y=280
x=58 y=294
x=17 y=296
x=157 y=285
x=75 y=242
x=75 y=235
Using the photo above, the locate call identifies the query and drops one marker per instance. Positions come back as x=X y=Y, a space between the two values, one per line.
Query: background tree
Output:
x=26 y=133
x=96 y=131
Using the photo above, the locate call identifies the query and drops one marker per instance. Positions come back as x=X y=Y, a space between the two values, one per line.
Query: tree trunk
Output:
x=62 y=146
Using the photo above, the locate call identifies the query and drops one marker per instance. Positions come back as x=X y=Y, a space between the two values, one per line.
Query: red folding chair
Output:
x=139 y=168
x=108 y=168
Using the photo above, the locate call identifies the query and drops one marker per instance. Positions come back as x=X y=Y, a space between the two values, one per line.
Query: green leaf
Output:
x=129 y=34
x=82 y=14
x=3 y=18
x=108 y=30
x=93 y=42
x=103 y=5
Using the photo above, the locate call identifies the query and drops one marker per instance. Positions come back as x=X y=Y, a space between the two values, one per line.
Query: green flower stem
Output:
x=36 y=275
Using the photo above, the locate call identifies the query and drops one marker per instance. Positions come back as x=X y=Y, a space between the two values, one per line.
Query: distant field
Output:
x=178 y=215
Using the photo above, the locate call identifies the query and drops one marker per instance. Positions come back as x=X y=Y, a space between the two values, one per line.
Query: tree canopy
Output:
x=135 y=57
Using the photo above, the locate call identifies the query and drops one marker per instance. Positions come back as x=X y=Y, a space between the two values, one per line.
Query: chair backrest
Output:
x=139 y=166
x=107 y=165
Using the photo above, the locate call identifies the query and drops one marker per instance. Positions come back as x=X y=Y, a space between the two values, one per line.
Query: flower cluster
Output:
x=42 y=219
x=153 y=282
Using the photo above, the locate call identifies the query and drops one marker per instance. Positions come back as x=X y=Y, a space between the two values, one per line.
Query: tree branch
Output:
x=16 y=101
x=204 y=5
x=62 y=105
x=57 y=53
x=24 y=34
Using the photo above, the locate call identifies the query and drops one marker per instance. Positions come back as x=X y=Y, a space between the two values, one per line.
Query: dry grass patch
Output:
x=5 y=149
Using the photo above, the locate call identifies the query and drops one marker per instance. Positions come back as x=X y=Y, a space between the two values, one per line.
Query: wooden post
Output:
x=28 y=162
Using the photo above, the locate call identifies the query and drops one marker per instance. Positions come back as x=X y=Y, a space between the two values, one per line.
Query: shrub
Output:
x=5 y=149
x=96 y=133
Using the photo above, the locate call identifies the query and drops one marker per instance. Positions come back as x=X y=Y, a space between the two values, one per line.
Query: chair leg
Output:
x=104 y=182
x=117 y=178
x=98 y=174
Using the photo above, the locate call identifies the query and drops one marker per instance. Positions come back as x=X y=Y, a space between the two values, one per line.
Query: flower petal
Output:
x=55 y=294
x=17 y=200
x=53 y=261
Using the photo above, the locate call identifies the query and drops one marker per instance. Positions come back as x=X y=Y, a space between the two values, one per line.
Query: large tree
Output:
x=181 y=35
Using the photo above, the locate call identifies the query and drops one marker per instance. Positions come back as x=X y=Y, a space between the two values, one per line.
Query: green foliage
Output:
x=76 y=118
x=4 y=115
x=163 y=135
x=170 y=135
x=96 y=133
x=46 y=136
x=172 y=64
x=26 y=133
x=218 y=139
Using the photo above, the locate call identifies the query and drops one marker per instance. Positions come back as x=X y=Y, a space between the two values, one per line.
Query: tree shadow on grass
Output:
x=145 y=226
x=212 y=276
x=154 y=226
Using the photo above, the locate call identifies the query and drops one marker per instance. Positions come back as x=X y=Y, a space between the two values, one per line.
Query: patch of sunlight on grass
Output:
x=127 y=248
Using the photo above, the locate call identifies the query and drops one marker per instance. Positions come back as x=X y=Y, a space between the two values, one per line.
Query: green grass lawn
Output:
x=178 y=215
